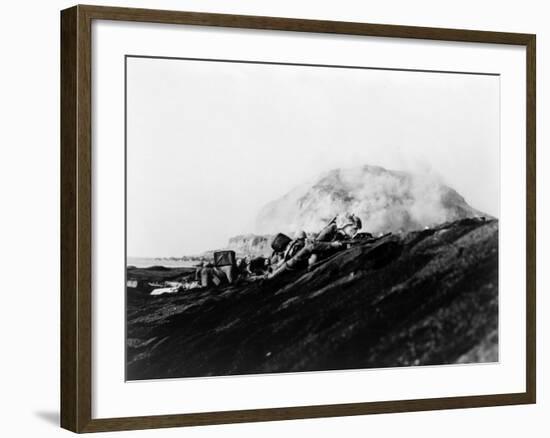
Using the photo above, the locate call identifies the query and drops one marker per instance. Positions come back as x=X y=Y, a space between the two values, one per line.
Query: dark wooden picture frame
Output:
x=76 y=218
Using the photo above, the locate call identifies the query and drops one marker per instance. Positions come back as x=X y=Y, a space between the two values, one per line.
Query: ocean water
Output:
x=145 y=262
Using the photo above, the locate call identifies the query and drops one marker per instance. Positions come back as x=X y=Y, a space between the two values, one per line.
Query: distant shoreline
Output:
x=168 y=262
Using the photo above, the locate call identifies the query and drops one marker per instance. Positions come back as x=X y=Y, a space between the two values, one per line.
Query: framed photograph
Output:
x=272 y=218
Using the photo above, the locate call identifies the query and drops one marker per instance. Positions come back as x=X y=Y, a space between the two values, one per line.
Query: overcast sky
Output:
x=210 y=143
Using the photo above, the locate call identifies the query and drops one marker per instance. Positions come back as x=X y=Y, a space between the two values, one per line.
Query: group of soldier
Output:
x=288 y=254
x=303 y=252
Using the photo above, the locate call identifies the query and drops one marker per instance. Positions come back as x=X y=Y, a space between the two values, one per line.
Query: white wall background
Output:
x=29 y=223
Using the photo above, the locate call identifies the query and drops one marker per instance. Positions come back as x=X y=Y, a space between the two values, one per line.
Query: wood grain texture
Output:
x=302 y=25
x=303 y=412
x=76 y=219
x=69 y=330
x=531 y=196
x=84 y=218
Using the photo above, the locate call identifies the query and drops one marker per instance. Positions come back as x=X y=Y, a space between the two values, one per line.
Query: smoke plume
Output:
x=385 y=200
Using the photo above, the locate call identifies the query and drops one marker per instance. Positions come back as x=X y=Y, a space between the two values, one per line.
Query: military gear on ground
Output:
x=225 y=263
x=224 y=258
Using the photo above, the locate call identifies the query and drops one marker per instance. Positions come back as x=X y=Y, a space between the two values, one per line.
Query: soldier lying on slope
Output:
x=306 y=252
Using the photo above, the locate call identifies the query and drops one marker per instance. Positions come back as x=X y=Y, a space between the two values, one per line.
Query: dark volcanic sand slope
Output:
x=426 y=297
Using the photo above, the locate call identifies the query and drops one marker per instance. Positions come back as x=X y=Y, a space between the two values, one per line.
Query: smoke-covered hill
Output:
x=385 y=200
x=427 y=297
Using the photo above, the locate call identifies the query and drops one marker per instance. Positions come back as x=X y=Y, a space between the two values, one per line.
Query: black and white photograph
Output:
x=271 y=219
x=285 y=217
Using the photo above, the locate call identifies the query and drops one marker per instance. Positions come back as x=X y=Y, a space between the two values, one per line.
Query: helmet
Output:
x=301 y=235
x=345 y=219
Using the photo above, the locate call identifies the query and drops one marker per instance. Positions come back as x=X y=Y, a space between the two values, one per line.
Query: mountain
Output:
x=427 y=297
x=385 y=200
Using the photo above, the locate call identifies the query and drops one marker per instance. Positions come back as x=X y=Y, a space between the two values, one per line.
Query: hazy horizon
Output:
x=273 y=127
